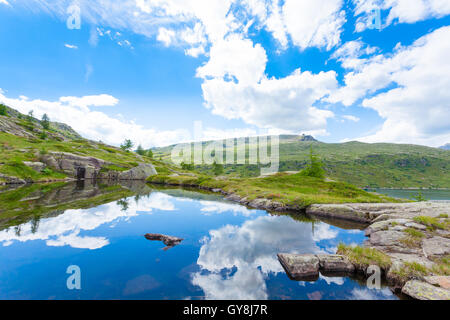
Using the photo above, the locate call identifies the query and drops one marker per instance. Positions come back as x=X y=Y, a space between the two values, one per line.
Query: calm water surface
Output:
x=229 y=251
x=410 y=194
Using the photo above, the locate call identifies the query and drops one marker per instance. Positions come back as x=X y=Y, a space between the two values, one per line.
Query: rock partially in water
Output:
x=302 y=267
x=334 y=264
x=424 y=291
x=169 y=241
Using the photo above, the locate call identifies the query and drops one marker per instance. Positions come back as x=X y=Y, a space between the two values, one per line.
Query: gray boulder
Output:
x=141 y=172
x=300 y=266
x=36 y=166
x=436 y=247
x=330 y=264
x=424 y=291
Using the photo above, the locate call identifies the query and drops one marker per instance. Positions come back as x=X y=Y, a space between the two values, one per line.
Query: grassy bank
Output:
x=292 y=190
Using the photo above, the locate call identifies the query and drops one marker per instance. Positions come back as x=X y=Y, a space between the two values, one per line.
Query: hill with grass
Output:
x=376 y=165
x=29 y=147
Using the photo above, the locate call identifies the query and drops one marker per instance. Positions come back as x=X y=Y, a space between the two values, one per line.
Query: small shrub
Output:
x=314 y=167
x=127 y=145
x=3 y=111
x=419 y=197
x=43 y=135
x=45 y=122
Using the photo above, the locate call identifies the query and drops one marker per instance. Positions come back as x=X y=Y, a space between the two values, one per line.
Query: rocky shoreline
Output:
x=411 y=235
x=414 y=238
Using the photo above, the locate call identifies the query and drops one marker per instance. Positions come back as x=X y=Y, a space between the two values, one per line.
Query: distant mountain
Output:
x=361 y=164
x=445 y=147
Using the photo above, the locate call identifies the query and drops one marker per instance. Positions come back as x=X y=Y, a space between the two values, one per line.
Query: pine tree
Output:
x=45 y=122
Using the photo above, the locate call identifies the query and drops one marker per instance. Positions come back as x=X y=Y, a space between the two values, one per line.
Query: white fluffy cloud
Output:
x=314 y=23
x=77 y=112
x=417 y=108
x=286 y=103
x=401 y=11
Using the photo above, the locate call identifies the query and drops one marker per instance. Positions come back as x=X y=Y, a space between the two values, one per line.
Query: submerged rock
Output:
x=424 y=291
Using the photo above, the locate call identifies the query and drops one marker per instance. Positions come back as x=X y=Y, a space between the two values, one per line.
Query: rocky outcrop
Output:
x=415 y=237
x=422 y=290
x=5 y=179
x=74 y=165
x=141 y=172
x=36 y=166
x=81 y=167
x=373 y=212
x=306 y=267
x=169 y=241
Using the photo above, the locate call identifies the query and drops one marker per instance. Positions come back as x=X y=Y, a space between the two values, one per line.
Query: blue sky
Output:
x=146 y=70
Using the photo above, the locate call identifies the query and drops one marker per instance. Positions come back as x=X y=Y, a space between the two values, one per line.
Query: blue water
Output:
x=411 y=194
x=229 y=252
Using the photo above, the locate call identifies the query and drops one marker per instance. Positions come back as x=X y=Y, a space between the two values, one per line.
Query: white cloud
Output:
x=70 y=46
x=237 y=58
x=96 y=125
x=401 y=11
x=166 y=36
x=416 y=109
x=4 y=2
x=351 y=118
x=314 y=23
x=286 y=104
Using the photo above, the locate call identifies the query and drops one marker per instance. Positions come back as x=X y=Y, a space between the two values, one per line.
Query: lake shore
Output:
x=409 y=242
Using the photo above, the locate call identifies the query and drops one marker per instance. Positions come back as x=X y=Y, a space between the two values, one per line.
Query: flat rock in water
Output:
x=424 y=291
x=169 y=241
x=300 y=266
x=330 y=264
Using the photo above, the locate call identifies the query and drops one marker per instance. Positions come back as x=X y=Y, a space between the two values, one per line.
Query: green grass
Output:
x=361 y=164
x=411 y=270
x=296 y=190
x=413 y=238
x=365 y=257
x=430 y=222
x=14 y=150
x=414 y=233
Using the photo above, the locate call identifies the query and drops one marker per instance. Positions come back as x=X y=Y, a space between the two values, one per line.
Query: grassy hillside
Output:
x=296 y=190
x=361 y=164
x=24 y=138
